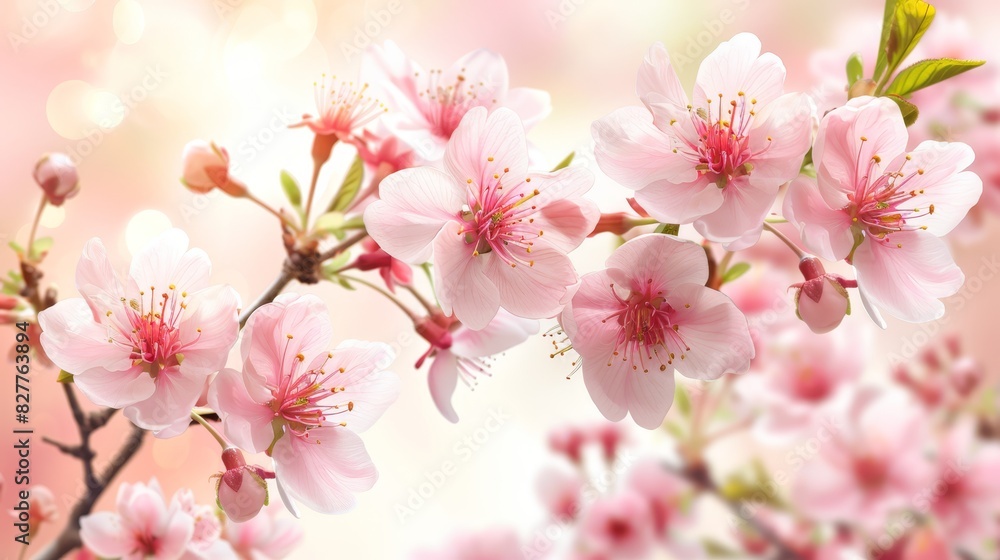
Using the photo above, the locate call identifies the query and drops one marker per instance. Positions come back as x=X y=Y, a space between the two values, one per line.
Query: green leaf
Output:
x=349 y=188
x=669 y=229
x=855 y=69
x=880 y=62
x=16 y=247
x=330 y=222
x=40 y=247
x=908 y=109
x=338 y=262
x=910 y=21
x=64 y=377
x=682 y=400
x=291 y=188
x=565 y=162
x=929 y=72
x=735 y=271
x=343 y=282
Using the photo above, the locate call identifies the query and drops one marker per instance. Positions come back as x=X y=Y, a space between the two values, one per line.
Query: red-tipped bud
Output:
x=821 y=301
x=242 y=488
x=206 y=167
x=57 y=176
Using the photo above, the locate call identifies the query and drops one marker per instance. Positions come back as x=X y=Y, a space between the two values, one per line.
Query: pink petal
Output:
x=415 y=205
x=533 y=292
x=209 y=329
x=633 y=152
x=461 y=282
x=365 y=381
x=584 y=320
x=737 y=65
x=175 y=537
x=486 y=67
x=75 y=342
x=649 y=396
x=166 y=261
x=943 y=183
x=267 y=350
x=825 y=231
x=780 y=138
x=669 y=261
x=531 y=105
x=608 y=384
x=175 y=395
x=908 y=281
x=116 y=389
x=442 y=379
x=325 y=470
x=479 y=138
x=715 y=331
x=737 y=222
x=505 y=331
x=103 y=534
x=657 y=81
x=566 y=217
x=842 y=158
x=247 y=423
x=96 y=278
x=676 y=203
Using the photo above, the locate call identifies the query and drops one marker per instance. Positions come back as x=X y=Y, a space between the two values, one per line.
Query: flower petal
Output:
x=75 y=342
x=714 y=330
x=531 y=105
x=365 y=381
x=324 y=470
x=116 y=389
x=414 y=205
x=175 y=395
x=246 y=422
x=209 y=329
x=657 y=81
x=824 y=231
x=442 y=378
x=907 y=276
x=102 y=532
x=505 y=331
x=461 y=282
x=737 y=66
x=166 y=261
x=536 y=291
x=940 y=182
x=669 y=261
x=633 y=152
x=483 y=146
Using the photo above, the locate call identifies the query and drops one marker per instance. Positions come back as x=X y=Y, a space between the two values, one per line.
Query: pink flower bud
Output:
x=821 y=301
x=206 y=166
x=57 y=176
x=242 y=489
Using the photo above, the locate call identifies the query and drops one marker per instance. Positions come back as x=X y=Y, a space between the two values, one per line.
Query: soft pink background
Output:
x=231 y=71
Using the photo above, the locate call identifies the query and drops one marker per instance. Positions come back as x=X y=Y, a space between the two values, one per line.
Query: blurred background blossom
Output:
x=121 y=86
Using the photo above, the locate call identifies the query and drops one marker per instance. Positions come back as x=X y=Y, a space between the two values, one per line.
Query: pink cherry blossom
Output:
x=883 y=209
x=821 y=301
x=468 y=356
x=965 y=496
x=561 y=492
x=872 y=465
x=393 y=271
x=205 y=543
x=619 y=526
x=303 y=404
x=143 y=527
x=206 y=167
x=497 y=235
x=42 y=509
x=669 y=496
x=805 y=376
x=647 y=315
x=429 y=105
x=265 y=537
x=343 y=109
x=569 y=442
x=147 y=344
x=719 y=159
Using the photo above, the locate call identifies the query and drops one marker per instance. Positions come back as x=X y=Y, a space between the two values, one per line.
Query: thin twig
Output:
x=343 y=246
x=268 y=296
x=69 y=538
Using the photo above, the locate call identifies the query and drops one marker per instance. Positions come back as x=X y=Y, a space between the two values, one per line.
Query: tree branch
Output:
x=69 y=538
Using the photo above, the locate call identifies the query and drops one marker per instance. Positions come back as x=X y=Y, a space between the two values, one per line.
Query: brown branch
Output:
x=343 y=246
x=698 y=476
x=69 y=538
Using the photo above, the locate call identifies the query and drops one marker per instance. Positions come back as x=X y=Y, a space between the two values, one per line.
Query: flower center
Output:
x=151 y=328
x=305 y=398
x=879 y=206
x=497 y=219
x=811 y=385
x=446 y=103
x=870 y=472
x=721 y=148
x=647 y=330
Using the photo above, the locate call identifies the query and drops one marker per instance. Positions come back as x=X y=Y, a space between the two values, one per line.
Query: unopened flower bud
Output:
x=821 y=301
x=861 y=88
x=57 y=176
x=206 y=166
x=242 y=488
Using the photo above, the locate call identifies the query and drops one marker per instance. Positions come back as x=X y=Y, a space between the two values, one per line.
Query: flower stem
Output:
x=197 y=418
x=431 y=308
x=34 y=228
x=317 y=166
x=284 y=219
x=392 y=298
x=791 y=245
